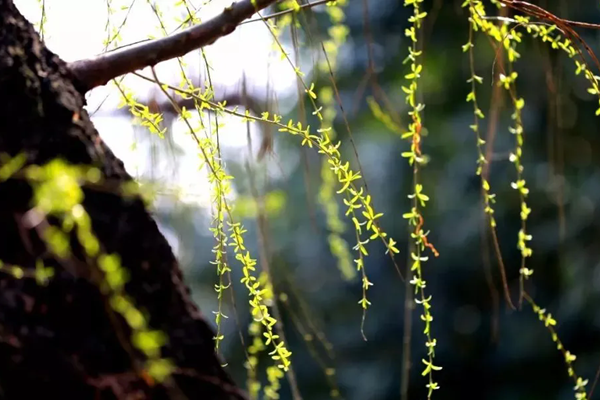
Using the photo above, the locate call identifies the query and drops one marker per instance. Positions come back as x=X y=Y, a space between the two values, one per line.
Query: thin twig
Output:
x=280 y=13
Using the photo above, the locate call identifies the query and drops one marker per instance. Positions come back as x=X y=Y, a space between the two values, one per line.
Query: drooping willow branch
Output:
x=100 y=69
x=564 y=25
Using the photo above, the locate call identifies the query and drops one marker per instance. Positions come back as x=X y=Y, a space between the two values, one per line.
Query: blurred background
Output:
x=487 y=351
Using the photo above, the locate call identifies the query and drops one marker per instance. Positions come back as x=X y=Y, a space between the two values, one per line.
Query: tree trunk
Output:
x=59 y=340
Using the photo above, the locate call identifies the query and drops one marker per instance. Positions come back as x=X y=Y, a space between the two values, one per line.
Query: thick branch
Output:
x=100 y=69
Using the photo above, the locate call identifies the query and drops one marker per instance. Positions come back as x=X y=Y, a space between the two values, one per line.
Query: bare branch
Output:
x=98 y=70
x=289 y=10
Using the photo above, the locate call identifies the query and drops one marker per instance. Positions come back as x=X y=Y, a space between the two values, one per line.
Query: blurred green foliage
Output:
x=487 y=350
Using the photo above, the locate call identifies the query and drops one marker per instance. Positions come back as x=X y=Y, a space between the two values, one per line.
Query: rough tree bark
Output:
x=58 y=341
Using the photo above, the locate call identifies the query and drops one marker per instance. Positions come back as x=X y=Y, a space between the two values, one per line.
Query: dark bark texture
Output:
x=58 y=341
